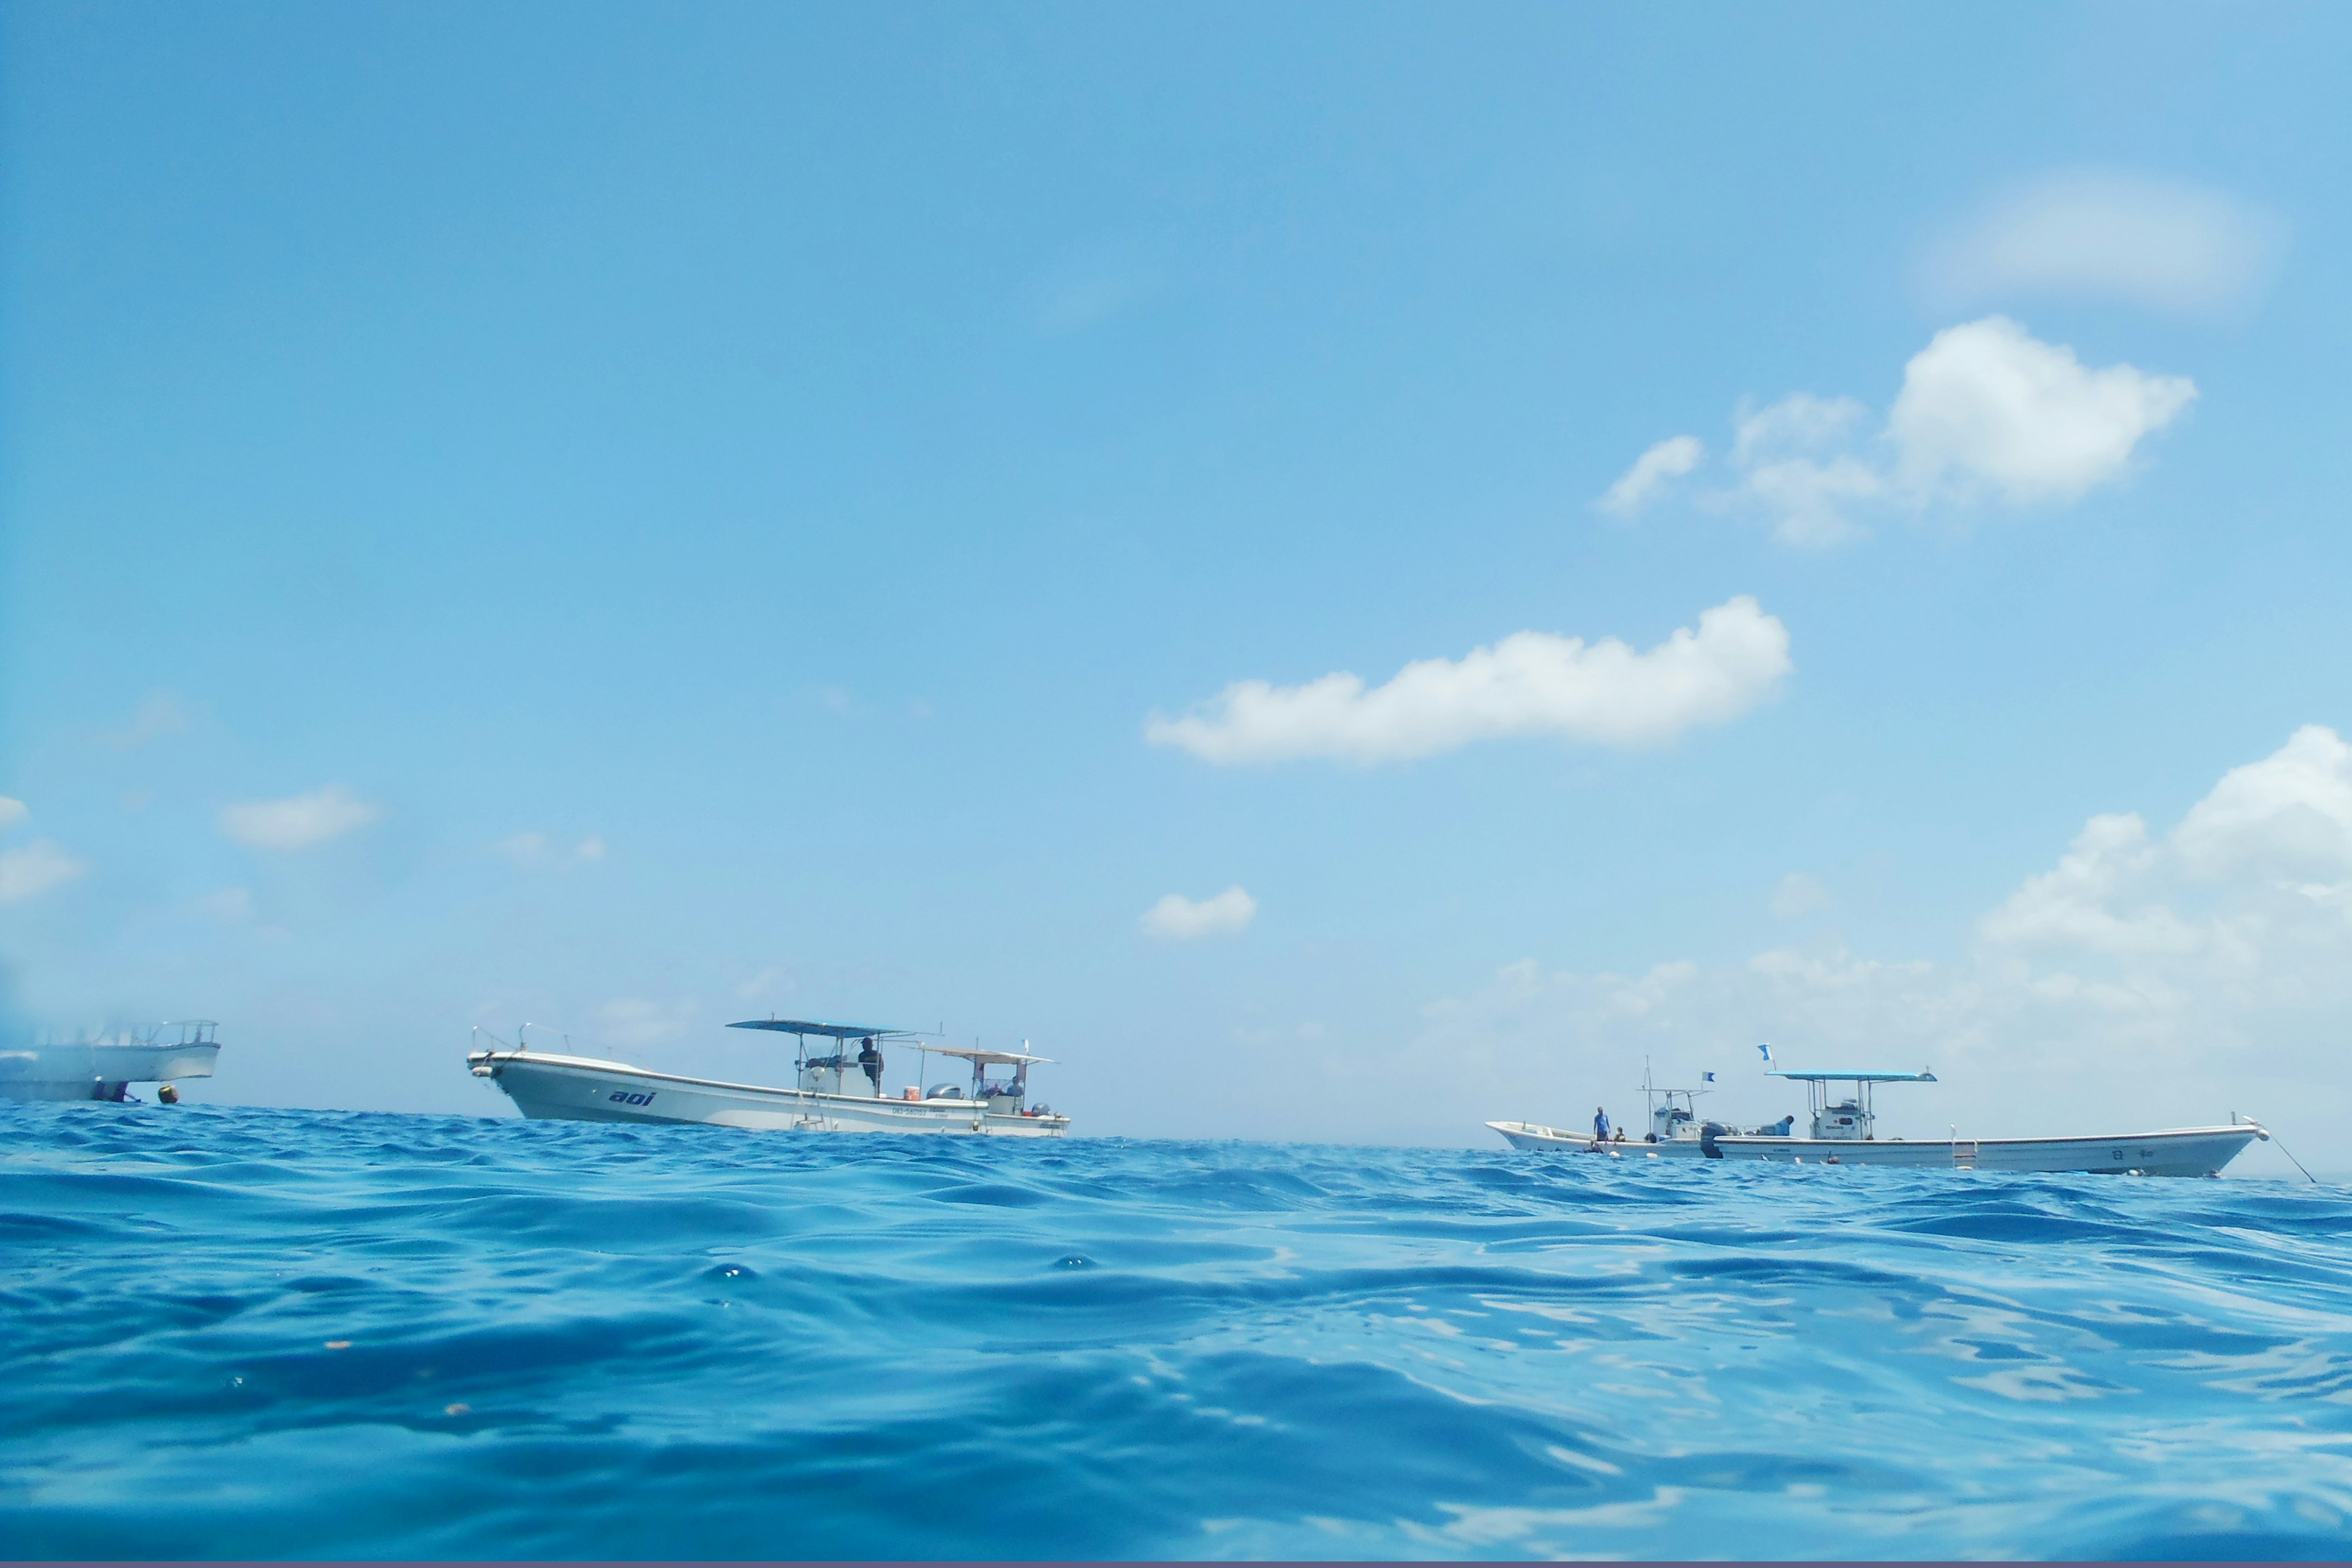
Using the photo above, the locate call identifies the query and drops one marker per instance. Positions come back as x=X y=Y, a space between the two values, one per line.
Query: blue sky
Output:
x=633 y=517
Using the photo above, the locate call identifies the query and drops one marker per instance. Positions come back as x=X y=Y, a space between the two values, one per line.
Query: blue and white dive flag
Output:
x=1767 y=1054
x=1706 y=1077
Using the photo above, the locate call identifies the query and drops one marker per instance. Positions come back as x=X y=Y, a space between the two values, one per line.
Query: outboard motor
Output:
x=1708 y=1135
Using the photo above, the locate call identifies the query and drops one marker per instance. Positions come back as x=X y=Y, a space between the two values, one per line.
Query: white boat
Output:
x=838 y=1091
x=1843 y=1132
x=1676 y=1130
x=105 y=1065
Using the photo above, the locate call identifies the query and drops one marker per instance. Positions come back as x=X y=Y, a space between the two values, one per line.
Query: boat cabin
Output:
x=847 y=1058
x=1673 y=1114
x=1006 y=1094
x=1841 y=1099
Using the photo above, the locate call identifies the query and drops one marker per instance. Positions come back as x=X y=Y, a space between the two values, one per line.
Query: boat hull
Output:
x=1535 y=1135
x=2182 y=1152
x=98 y=1071
x=550 y=1087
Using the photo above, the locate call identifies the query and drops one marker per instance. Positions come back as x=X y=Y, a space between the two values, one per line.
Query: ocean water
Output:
x=254 y=1333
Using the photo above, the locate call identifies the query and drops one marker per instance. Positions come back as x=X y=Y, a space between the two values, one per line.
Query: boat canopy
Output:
x=1853 y=1077
x=989 y=1059
x=812 y=1027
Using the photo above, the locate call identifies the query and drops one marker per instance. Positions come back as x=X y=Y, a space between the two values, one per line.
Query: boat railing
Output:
x=189 y=1032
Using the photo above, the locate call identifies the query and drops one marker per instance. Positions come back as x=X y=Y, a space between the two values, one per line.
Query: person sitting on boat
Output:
x=871 y=1060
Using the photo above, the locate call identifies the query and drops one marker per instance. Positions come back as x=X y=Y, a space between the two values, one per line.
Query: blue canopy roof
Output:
x=812 y=1027
x=1843 y=1076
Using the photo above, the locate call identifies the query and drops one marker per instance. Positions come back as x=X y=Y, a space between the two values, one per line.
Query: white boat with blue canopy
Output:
x=838 y=1087
x=1844 y=1131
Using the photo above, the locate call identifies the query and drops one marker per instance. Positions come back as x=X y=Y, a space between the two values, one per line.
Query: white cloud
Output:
x=2171 y=247
x=1178 y=919
x=1986 y=413
x=298 y=822
x=1987 y=406
x=1529 y=683
x=2290 y=814
x=589 y=848
x=1798 y=895
x=12 y=811
x=1668 y=461
x=2070 y=906
x=32 y=869
x=630 y=1021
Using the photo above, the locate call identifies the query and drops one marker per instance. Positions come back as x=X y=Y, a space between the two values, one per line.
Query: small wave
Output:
x=278 y=1334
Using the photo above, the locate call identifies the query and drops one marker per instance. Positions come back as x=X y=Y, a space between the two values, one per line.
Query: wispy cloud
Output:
x=1529 y=683
x=12 y=812
x=2101 y=233
x=32 y=869
x=297 y=822
x=533 y=851
x=1791 y=462
x=159 y=714
x=1178 y=919
x=1652 y=471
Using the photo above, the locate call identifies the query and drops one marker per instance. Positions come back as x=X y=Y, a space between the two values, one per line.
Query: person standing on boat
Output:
x=871 y=1060
x=1599 y=1125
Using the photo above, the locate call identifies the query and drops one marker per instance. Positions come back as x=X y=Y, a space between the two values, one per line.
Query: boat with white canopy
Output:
x=1844 y=1131
x=1673 y=1132
x=104 y=1065
x=838 y=1087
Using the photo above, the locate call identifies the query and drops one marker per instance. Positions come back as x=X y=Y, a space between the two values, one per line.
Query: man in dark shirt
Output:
x=871 y=1060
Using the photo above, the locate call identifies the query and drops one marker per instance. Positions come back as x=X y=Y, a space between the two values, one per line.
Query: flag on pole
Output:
x=1706 y=1077
x=1767 y=1054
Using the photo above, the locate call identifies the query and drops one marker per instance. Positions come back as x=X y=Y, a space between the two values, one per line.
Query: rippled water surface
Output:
x=252 y=1333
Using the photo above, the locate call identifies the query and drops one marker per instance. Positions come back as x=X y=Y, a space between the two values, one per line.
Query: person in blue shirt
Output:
x=1599 y=1125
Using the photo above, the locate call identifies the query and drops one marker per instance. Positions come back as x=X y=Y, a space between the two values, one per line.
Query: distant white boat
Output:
x=1843 y=1132
x=104 y=1067
x=837 y=1090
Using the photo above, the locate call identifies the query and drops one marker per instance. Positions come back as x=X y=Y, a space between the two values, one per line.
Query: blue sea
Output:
x=251 y=1333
